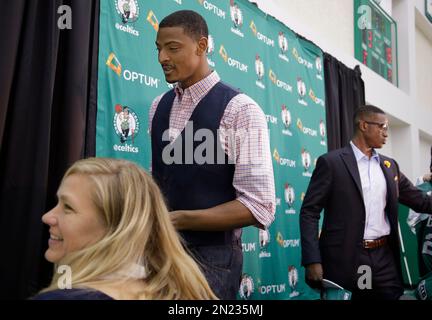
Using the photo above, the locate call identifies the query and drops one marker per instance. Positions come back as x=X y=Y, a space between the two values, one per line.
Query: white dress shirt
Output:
x=374 y=189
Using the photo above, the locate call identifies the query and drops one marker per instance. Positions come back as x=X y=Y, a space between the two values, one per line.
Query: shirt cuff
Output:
x=262 y=213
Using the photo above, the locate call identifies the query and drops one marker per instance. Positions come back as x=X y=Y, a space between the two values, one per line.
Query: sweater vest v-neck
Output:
x=188 y=183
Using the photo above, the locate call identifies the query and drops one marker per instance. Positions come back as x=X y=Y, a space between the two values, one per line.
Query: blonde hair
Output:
x=138 y=229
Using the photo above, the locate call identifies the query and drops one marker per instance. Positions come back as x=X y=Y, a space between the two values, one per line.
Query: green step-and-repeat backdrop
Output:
x=251 y=51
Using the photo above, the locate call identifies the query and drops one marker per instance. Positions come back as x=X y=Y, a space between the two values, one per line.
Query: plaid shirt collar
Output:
x=198 y=90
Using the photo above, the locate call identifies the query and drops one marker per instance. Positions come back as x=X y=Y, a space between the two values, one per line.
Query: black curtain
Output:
x=47 y=121
x=430 y=168
x=344 y=94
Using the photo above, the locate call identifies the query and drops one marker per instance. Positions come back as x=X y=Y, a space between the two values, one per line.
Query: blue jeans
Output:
x=222 y=267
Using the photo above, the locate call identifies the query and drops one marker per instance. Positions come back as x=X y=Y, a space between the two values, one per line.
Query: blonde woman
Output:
x=112 y=231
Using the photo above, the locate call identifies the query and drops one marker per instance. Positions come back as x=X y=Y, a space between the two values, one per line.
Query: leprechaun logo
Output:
x=128 y=10
x=210 y=50
x=318 y=66
x=293 y=280
x=286 y=116
x=286 y=120
x=289 y=195
x=237 y=18
x=210 y=45
x=283 y=42
x=126 y=124
x=283 y=46
x=246 y=286
x=322 y=132
x=236 y=14
x=306 y=161
x=259 y=70
x=264 y=240
x=301 y=89
x=259 y=67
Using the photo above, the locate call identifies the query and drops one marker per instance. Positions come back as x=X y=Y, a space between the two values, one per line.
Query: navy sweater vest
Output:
x=189 y=185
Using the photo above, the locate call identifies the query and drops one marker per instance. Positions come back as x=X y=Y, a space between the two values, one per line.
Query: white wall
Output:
x=420 y=5
x=423 y=40
x=424 y=158
x=386 y=5
x=320 y=19
x=424 y=69
x=330 y=25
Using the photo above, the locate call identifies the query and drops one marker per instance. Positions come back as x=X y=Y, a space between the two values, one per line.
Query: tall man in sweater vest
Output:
x=210 y=154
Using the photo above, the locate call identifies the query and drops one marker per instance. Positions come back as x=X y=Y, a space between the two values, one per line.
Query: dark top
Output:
x=72 y=294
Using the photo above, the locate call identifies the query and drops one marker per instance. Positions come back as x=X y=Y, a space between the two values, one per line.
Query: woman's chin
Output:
x=52 y=256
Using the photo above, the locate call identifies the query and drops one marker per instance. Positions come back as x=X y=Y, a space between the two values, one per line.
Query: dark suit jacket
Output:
x=336 y=187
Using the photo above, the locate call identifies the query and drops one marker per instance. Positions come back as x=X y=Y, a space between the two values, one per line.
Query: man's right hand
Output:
x=314 y=275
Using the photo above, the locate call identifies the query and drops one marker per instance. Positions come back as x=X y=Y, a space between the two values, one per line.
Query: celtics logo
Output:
x=210 y=50
x=289 y=194
x=306 y=159
x=246 y=287
x=126 y=123
x=301 y=87
x=286 y=116
x=210 y=45
x=128 y=10
x=293 y=280
x=322 y=129
x=283 y=42
x=264 y=238
x=259 y=67
x=318 y=65
x=236 y=14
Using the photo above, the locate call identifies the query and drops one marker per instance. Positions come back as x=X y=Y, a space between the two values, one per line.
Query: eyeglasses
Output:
x=381 y=125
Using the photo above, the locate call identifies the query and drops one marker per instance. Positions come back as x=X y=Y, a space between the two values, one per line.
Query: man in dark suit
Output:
x=359 y=190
